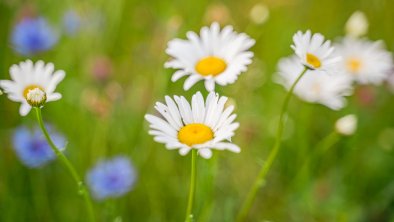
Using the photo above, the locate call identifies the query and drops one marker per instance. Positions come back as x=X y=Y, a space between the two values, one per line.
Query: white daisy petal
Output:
x=54 y=97
x=191 y=81
x=163 y=110
x=160 y=124
x=211 y=106
x=206 y=153
x=24 y=109
x=226 y=113
x=210 y=84
x=228 y=146
x=173 y=109
x=216 y=114
x=16 y=74
x=178 y=74
x=8 y=86
x=198 y=108
x=57 y=77
x=184 y=151
x=48 y=70
x=184 y=109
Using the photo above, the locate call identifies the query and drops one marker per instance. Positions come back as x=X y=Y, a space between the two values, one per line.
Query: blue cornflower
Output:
x=111 y=178
x=71 y=22
x=32 y=148
x=33 y=35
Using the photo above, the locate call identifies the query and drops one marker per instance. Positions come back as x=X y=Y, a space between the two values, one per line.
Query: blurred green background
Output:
x=125 y=41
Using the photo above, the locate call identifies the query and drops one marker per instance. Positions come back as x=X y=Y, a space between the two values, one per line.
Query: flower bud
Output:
x=259 y=13
x=346 y=125
x=36 y=97
x=356 y=25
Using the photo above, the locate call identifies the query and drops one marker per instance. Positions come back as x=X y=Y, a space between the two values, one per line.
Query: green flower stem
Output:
x=319 y=150
x=81 y=186
x=192 y=190
x=260 y=179
x=327 y=142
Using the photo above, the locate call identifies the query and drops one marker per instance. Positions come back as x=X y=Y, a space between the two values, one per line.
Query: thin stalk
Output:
x=327 y=142
x=260 y=179
x=81 y=186
x=192 y=189
x=322 y=147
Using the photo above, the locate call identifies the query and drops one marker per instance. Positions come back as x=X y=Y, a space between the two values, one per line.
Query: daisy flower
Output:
x=365 y=61
x=111 y=178
x=33 y=35
x=216 y=56
x=28 y=79
x=314 y=52
x=201 y=125
x=314 y=87
x=33 y=149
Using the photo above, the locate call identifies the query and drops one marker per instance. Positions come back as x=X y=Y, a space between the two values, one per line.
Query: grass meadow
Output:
x=114 y=64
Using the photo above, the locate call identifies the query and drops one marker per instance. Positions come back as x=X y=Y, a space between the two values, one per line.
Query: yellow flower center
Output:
x=195 y=133
x=211 y=65
x=313 y=60
x=31 y=87
x=353 y=65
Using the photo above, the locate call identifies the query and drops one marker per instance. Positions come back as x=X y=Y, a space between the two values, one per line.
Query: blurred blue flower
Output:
x=111 y=178
x=71 y=22
x=33 y=35
x=32 y=148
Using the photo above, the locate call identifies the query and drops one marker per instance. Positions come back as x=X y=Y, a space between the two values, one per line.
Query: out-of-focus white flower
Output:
x=259 y=13
x=313 y=51
x=364 y=61
x=27 y=76
x=356 y=25
x=315 y=86
x=201 y=125
x=346 y=125
x=216 y=56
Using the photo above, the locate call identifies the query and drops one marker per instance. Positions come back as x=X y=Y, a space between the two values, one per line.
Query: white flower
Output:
x=356 y=25
x=201 y=125
x=365 y=61
x=28 y=76
x=314 y=52
x=346 y=125
x=315 y=86
x=216 y=56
